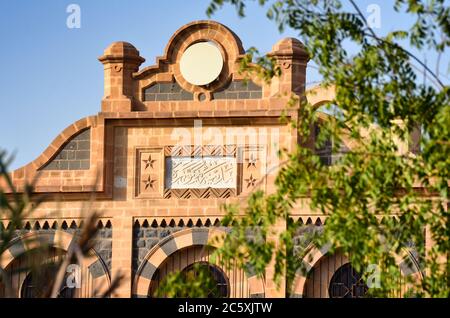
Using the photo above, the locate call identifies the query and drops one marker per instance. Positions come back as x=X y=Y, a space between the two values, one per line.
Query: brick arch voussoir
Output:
x=178 y=241
x=315 y=254
x=191 y=32
x=61 y=240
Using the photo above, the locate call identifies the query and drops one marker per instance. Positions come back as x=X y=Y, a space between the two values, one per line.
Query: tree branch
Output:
x=373 y=35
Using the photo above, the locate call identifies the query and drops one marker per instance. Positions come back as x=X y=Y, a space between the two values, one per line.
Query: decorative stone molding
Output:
x=199 y=193
x=149 y=172
x=172 y=222
x=206 y=150
x=199 y=31
x=201 y=172
x=204 y=172
x=254 y=167
x=55 y=224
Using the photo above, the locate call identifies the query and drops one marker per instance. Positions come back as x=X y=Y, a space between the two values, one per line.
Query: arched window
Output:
x=193 y=262
x=38 y=286
x=325 y=152
x=347 y=283
x=219 y=288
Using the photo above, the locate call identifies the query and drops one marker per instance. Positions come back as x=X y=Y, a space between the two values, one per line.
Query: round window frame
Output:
x=222 y=59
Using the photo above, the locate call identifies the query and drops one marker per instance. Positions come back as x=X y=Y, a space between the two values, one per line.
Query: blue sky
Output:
x=51 y=76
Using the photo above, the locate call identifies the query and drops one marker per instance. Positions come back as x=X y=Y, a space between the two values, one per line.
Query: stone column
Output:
x=120 y=60
x=122 y=242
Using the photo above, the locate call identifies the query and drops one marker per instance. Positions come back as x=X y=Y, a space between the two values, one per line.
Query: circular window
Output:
x=201 y=63
x=219 y=282
x=347 y=283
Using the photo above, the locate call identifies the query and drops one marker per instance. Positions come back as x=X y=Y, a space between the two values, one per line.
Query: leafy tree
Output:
x=376 y=197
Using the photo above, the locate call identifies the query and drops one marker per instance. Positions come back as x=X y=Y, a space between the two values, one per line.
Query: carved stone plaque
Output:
x=217 y=172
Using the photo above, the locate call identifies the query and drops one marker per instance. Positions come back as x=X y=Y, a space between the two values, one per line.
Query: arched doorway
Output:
x=31 y=275
x=320 y=276
x=346 y=282
x=220 y=287
x=184 y=248
x=190 y=262
x=332 y=276
x=36 y=285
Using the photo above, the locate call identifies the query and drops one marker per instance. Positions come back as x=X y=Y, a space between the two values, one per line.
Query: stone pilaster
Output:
x=120 y=60
x=292 y=57
x=122 y=254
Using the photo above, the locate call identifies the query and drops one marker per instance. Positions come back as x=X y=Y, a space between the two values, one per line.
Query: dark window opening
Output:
x=347 y=283
x=40 y=285
x=325 y=151
x=219 y=288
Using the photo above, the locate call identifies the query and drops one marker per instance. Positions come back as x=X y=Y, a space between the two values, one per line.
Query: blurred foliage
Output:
x=46 y=265
x=378 y=199
x=197 y=281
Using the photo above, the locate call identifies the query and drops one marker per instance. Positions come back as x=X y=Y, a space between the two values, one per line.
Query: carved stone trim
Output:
x=199 y=193
x=149 y=171
x=206 y=150
x=254 y=167
x=210 y=151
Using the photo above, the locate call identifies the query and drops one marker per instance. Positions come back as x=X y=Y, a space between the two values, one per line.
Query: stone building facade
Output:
x=160 y=159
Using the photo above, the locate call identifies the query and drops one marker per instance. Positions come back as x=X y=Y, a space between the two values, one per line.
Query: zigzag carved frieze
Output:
x=207 y=150
x=199 y=193
x=177 y=222
x=53 y=224
x=321 y=220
